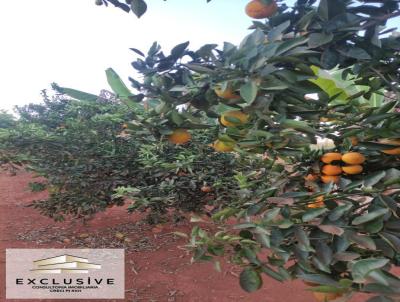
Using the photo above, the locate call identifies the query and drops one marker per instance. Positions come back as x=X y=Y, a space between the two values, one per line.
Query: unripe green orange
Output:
x=236 y=114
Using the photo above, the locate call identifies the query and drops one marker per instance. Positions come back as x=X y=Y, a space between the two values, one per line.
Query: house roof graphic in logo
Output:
x=64 y=264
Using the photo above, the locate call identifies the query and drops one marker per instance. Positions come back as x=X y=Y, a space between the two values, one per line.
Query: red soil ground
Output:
x=157 y=267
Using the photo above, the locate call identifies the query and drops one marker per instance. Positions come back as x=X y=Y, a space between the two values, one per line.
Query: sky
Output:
x=72 y=42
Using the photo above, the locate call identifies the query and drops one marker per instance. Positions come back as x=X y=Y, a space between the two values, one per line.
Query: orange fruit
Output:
x=395 y=151
x=206 y=189
x=222 y=146
x=256 y=9
x=179 y=136
x=330 y=178
x=331 y=170
x=228 y=93
x=353 y=158
x=353 y=140
x=311 y=177
x=324 y=297
x=318 y=203
x=241 y=117
x=353 y=169
x=327 y=158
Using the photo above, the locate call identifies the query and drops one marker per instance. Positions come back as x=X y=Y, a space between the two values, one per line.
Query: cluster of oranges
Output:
x=331 y=171
x=231 y=118
x=261 y=9
x=228 y=119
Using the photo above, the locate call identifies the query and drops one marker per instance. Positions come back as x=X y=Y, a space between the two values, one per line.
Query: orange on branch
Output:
x=331 y=170
x=222 y=146
x=324 y=297
x=394 y=151
x=353 y=169
x=206 y=189
x=228 y=93
x=311 y=177
x=354 y=140
x=353 y=158
x=318 y=203
x=256 y=9
x=327 y=158
x=179 y=136
x=330 y=178
x=233 y=118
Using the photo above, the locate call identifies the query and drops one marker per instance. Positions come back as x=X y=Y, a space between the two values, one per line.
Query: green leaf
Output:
x=331 y=229
x=318 y=39
x=370 y=216
x=273 y=274
x=117 y=85
x=374 y=226
x=361 y=268
x=250 y=280
x=302 y=239
x=392 y=240
x=323 y=10
x=138 y=7
x=276 y=33
x=319 y=279
x=357 y=53
x=374 y=178
x=289 y=44
x=76 y=94
x=312 y=214
x=179 y=50
x=199 y=68
x=346 y=256
x=362 y=240
x=264 y=240
x=248 y=91
x=301 y=126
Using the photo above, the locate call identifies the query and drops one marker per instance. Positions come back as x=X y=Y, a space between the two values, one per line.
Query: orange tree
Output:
x=92 y=160
x=331 y=221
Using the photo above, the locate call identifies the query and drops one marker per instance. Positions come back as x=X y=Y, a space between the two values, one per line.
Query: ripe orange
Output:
x=222 y=146
x=331 y=170
x=179 y=136
x=353 y=169
x=206 y=189
x=256 y=9
x=311 y=177
x=330 y=178
x=395 y=151
x=327 y=158
x=228 y=93
x=324 y=297
x=318 y=203
x=354 y=140
x=236 y=114
x=353 y=158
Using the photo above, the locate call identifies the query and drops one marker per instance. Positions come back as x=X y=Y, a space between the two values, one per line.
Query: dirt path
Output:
x=157 y=270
